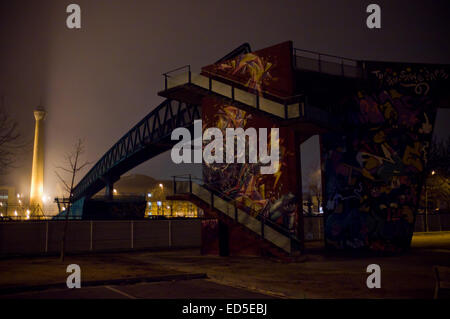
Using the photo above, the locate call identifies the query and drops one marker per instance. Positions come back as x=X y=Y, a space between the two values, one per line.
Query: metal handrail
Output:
x=357 y=64
x=324 y=54
x=298 y=98
x=166 y=74
x=259 y=214
x=177 y=69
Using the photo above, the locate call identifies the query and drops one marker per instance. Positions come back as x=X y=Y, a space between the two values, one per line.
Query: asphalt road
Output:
x=192 y=289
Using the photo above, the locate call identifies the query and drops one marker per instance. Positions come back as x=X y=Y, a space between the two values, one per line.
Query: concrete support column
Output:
x=323 y=185
x=109 y=190
x=298 y=162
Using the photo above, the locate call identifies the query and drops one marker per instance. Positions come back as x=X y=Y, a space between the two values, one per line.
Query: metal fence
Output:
x=44 y=237
x=435 y=221
x=314 y=225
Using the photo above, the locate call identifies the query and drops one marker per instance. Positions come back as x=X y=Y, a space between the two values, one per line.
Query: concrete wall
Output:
x=44 y=237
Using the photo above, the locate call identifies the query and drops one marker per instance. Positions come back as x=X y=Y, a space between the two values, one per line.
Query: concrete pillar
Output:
x=37 y=171
x=298 y=162
x=109 y=189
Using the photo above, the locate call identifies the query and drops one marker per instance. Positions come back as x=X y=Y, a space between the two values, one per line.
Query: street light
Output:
x=433 y=172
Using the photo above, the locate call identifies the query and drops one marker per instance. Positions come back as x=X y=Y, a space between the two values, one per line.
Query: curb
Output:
x=123 y=281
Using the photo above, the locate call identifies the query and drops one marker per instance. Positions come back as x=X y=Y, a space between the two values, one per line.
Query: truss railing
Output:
x=154 y=127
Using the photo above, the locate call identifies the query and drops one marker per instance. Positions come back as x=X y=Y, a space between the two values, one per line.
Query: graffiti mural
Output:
x=265 y=71
x=268 y=194
x=374 y=171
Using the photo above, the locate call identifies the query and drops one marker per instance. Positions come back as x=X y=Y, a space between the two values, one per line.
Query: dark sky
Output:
x=97 y=82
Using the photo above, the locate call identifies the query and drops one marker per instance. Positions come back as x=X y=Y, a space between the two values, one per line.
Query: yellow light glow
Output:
x=433 y=172
x=161 y=185
x=15 y=212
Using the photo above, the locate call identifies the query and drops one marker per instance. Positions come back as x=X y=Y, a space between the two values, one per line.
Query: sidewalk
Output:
x=321 y=275
x=318 y=275
x=49 y=271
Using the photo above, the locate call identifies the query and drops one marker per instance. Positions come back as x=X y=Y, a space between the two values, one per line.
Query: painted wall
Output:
x=264 y=72
x=374 y=172
x=244 y=182
x=268 y=70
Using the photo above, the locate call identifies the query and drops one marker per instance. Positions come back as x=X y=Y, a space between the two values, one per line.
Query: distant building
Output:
x=9 y=202
x=141 y=188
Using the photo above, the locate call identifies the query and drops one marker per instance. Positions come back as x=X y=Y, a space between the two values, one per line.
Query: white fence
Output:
x=44 y=237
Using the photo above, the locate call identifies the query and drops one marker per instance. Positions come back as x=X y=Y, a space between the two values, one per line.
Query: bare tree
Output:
x=72 y=168
x=9 y=140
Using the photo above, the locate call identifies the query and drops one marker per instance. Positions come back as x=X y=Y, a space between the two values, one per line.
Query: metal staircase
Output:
x=263 y=228
x=289 y=108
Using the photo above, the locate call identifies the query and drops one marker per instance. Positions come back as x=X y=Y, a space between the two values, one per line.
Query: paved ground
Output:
x=322 y=275
x=317 y=275
x=184 y=289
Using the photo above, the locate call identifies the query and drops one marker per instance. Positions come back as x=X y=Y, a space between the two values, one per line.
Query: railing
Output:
x=329 y=64
x=291 y=107
x=170 y=79
x=257 y=215
x=155 y=126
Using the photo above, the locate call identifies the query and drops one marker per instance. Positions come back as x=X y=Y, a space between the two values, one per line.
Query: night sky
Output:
x=97 y=82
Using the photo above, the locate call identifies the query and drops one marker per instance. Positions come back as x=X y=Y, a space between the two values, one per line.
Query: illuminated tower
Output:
x=37 y=172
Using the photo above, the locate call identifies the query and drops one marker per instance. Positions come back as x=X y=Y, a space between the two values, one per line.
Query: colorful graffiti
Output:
x=374 y=171
x=268 y=194
x=251 y=66
x=265 y=71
